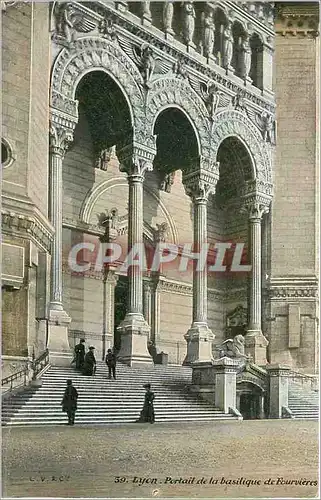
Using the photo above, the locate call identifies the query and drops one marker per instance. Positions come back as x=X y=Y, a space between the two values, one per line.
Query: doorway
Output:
x=250 y=406
x=121 y=301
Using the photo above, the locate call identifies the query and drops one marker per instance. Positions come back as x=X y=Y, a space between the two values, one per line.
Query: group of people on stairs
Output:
x=86 y=363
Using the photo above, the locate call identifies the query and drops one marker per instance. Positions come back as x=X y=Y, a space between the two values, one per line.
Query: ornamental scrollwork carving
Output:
x=200 y=182
x=172 y=91
x=135 y=160
x=94 y=52
x=233 y=123
x=59 y=139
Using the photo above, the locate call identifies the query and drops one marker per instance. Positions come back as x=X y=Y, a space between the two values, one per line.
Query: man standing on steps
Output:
x=111 y=363
x=69 y=402
x=147 y=414
x=89 y=367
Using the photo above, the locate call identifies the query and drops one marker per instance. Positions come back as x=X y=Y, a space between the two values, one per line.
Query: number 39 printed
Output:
x=119 y=479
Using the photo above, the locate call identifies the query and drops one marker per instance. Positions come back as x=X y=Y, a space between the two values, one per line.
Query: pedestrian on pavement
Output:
x=69 y=402
x=89 y=367
x=111 y=363
x=80 y=354
x=147 y=414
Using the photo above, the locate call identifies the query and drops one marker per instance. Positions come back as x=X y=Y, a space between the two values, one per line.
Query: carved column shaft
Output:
x=59 y=141
x=135 y=236
x=256 y=212
x=200 y=276
x=147 y=302
x=135 y=160
x=198 y=185
x=109 y=284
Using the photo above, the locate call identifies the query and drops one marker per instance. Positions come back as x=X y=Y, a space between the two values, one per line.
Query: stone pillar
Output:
x=147 y=303
x=58 y=319
x=267 y=65
x=225 y=383
x=146 y=14
x=199 y=337
x=134 y=329
x=255 y=341
x=279 y=389
x=156 y=308
x=109 y=284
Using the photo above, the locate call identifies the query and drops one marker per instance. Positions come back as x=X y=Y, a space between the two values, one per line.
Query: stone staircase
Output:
x=103 y=401
x=303 y=403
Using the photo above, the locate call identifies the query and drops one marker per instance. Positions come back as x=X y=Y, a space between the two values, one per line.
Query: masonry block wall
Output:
x=293 y=330
x=25 y=106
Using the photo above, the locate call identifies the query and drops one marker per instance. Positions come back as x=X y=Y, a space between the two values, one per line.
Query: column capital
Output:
x=200 y=179
x=60 y=138
x=255 y=209
x=135 y=159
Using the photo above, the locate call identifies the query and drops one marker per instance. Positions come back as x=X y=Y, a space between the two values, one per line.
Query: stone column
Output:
x=58 y=319
x=279 y=389
x=134 y=329
x=255 y=341
x=199 y=337
x=146 y=14
x=109 y=284
x=156 y=308
x=225 y=383
x=267 y=65
x=147 y=305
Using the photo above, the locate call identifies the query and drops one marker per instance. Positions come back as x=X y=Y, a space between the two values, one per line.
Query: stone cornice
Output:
x=293 y=288
x=21 y=218
x=297 y=19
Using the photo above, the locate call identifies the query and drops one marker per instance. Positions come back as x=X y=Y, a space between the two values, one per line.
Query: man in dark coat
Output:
x=80 y=354
x=69 y=402
x=111 y=363
x=147 y=414
x=89 y=367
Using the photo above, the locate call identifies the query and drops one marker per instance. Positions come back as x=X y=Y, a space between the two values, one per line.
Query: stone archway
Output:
x=92 y=54
x=176 y=93
x=233 y=123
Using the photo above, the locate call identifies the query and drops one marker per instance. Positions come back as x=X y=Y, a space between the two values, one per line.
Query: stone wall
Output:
x=292 y=307
x=25 y=108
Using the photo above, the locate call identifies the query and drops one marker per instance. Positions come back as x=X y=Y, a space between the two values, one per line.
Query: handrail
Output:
x=286 y=412
x=14 y=376
x=35 y=367
x=39 y=364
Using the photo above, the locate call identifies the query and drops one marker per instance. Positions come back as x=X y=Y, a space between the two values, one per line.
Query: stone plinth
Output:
x=255 y=346
x=203 y=381
x=134 y=334
x=199 y=345
x=225 y=383
x=58 y=345
x=279 y=389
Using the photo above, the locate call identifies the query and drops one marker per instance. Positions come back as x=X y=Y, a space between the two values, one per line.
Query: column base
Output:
x=199 y=344
x=134 y=336
x=58 y=344
x=255 y=346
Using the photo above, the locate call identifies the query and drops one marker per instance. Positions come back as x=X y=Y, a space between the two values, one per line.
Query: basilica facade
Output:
x=148 y=123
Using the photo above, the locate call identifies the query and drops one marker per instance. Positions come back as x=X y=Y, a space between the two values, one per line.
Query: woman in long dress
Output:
x=89 y=366
x=147 y=414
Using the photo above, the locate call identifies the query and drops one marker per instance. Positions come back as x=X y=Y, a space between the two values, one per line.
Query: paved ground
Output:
x=111 y=462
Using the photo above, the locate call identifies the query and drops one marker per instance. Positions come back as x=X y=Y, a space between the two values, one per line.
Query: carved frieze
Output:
x=232 y=122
